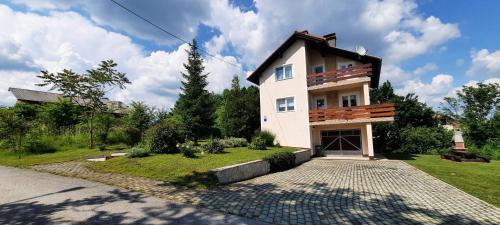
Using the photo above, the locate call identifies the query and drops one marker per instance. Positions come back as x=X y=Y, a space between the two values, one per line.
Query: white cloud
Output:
x=179 y=17
x=431 y=93
x=484 y=64
x=460 y=62
x=51 y=42
x=429 y=67
x=432 y=32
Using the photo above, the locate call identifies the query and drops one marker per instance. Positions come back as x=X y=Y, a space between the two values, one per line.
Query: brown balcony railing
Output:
x=363 y=70
x=350 y=113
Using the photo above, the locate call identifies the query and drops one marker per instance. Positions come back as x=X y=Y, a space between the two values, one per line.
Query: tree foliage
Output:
x=88 y=89
x=13 y=128
x=477 y=109
x=194 y=106
x=140 y=116
x=238 y=114
x=410 y=112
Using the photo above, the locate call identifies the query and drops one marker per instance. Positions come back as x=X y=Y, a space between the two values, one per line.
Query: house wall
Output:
x=291 y=128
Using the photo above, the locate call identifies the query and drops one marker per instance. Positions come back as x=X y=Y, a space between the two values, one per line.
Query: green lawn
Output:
x=10 y=159
x=183 y=171
x=479 y=179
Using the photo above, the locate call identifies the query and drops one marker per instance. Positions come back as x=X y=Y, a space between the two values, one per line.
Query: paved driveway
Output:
x=353 y=192
x=323 y=192
x=28 y=197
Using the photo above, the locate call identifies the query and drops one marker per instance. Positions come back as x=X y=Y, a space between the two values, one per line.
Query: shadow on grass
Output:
x=197 y=179
x=401 y=156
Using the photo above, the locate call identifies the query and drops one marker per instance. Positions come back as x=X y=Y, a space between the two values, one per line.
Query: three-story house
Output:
x=315 y=95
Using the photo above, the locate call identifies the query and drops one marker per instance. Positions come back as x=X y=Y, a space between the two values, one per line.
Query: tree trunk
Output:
x=91 y=131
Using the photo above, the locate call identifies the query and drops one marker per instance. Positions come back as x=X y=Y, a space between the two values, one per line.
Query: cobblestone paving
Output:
x=323 y=192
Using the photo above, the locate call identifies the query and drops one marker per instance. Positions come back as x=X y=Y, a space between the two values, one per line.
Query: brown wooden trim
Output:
x=350 y=113
x=363 y=70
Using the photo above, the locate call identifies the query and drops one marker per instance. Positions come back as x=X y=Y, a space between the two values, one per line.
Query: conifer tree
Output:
x=194 y=106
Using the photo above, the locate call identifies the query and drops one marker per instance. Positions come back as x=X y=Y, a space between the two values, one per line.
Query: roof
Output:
x=34 y=96
x=46 y=97
x=321 y=44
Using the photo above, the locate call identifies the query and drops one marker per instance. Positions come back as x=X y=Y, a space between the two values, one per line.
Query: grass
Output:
x=481 y=180
x=8 y=158
x=176 y=169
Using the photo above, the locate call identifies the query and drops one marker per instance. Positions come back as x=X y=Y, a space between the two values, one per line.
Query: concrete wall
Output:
x=243 y=171
x=291 y=128
x=302 y=156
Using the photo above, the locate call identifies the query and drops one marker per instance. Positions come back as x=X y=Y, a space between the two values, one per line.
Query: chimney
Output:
x=331 y=39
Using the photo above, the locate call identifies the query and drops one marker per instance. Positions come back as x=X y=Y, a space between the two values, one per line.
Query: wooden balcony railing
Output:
x=350 y=113
x=364 y=70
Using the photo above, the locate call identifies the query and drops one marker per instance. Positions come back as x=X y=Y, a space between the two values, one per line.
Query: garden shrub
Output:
x=165 y=138
x=268 y=136
x=117 y=136
x=423 y=139
x=233 y=142
x=258 y=143
x=35 y=143
x=132 y=136
x=281 y=161
x=188 y=149
x=491 y=149
x=213 y=146
x=138 y=152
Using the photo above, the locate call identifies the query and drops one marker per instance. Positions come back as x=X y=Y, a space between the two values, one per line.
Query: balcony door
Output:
x=343 y=142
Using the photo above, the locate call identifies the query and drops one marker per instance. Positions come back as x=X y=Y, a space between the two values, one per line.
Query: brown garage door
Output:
x=341 y=140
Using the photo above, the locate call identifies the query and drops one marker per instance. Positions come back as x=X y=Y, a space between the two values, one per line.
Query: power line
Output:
x=169 y=33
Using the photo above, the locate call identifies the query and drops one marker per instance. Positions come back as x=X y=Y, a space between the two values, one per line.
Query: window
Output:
x=283 y=72
x=319 y=69
x=349 y=100
x=345 y=65
x=285 y=104
x=320 y=103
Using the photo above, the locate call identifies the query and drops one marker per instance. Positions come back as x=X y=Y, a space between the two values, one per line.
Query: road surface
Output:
x=29 y=197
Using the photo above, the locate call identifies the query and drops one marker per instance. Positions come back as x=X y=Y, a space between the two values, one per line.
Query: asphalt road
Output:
x=29 y=197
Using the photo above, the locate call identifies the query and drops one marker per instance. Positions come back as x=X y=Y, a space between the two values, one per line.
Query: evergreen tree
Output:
x=194 y=106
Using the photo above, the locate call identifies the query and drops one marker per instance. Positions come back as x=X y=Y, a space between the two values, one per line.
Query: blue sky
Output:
x=428 y=47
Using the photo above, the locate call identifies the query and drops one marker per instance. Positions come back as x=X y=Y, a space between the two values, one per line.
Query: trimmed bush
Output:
x=423 y=139
x=233 y=142
x=165 y=138
x=138 y=152
x=188 y=149
x=268 y=136
x=281 y=161
x=258 y=143
x=213 y=146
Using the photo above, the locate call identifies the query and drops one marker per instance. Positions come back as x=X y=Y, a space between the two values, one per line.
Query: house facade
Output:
x=315 y=95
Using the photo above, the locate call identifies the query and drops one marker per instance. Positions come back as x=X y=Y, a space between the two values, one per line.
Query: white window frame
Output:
x=286 y=104
x=340 y=64
x=314 y=68
x=315 y=102
x=284 y=73
x=342 y=94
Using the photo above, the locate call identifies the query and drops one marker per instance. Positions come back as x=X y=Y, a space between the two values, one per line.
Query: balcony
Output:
x=360 y=71
x=341 y=115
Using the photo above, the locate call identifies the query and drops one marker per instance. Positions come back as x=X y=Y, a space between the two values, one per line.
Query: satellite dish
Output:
x=361 y=50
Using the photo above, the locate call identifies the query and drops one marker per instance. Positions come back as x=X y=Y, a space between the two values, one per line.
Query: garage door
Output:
x=341 y=140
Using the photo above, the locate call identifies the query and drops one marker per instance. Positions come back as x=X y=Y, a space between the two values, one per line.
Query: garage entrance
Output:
x=343 y=142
